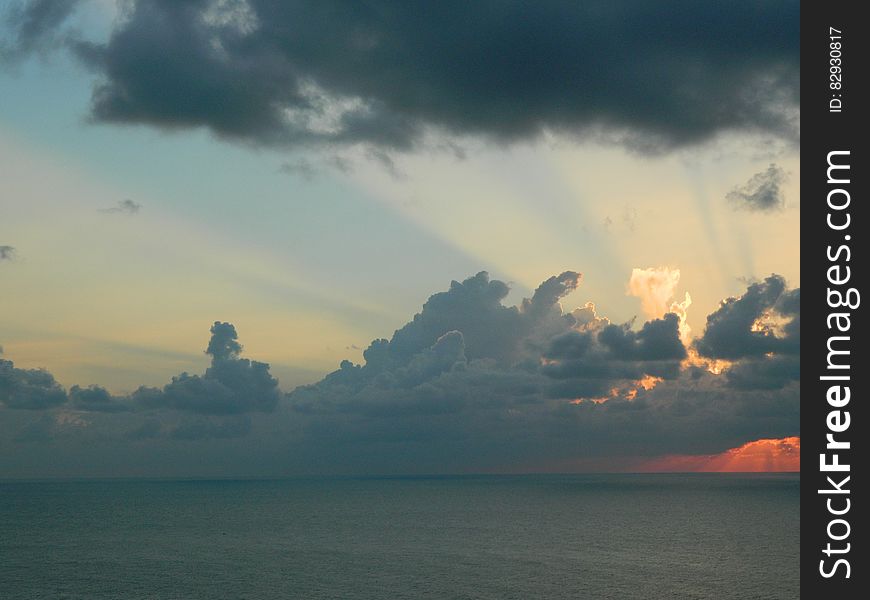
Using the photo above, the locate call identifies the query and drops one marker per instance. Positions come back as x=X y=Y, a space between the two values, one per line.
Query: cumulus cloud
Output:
x=95 y=399
x=231 y=385
x=386 y=74
x=532 y=382
x=467 y=383
x=656 y=288
x=28 y=389
x=763 y=191
x=124 y=207
x=746 y=326
x=760 y=332
x=7 y=252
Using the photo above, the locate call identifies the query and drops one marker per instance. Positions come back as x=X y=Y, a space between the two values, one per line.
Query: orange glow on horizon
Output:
x=759 y=456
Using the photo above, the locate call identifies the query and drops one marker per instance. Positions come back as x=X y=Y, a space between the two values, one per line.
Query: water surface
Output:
x=494 y=537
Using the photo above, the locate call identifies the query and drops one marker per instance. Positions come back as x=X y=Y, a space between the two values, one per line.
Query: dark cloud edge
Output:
x=295 y=75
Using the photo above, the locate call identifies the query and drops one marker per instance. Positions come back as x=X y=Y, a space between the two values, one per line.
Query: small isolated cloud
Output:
x=124 y=207
x=301 y=167
x=7 y=252
x=763 y=191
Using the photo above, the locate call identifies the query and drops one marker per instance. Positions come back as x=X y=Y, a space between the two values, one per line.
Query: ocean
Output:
x=717 y=536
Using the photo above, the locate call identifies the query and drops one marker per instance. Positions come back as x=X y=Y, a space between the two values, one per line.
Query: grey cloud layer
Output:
x=468 y=383
x=384 y=73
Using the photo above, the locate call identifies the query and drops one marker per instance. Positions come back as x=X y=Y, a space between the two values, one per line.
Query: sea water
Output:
x=500 y=537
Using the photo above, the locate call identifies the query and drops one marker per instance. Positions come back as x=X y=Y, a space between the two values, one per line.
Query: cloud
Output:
x=763 y=191
x=28 y=389
x=95 y=399
x=41 y=430
x=125 y=207
x=760 y=332
x=385 y=75
x=7 y=252
x=748 y=326
x=474 y=382
x=211 y=428
x=466 y=384
x=656 y=288
x=35 y=27
x=301 y=167
x=231 y=385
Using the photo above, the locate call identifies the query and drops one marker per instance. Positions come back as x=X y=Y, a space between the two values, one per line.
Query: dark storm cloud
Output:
x=126 y=207
x=382 y=73
x=29 y=389
x=34 y=27
x=763 y=191
x=7 y=252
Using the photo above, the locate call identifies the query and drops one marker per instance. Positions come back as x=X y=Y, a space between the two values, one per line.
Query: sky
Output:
x=257 y=238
